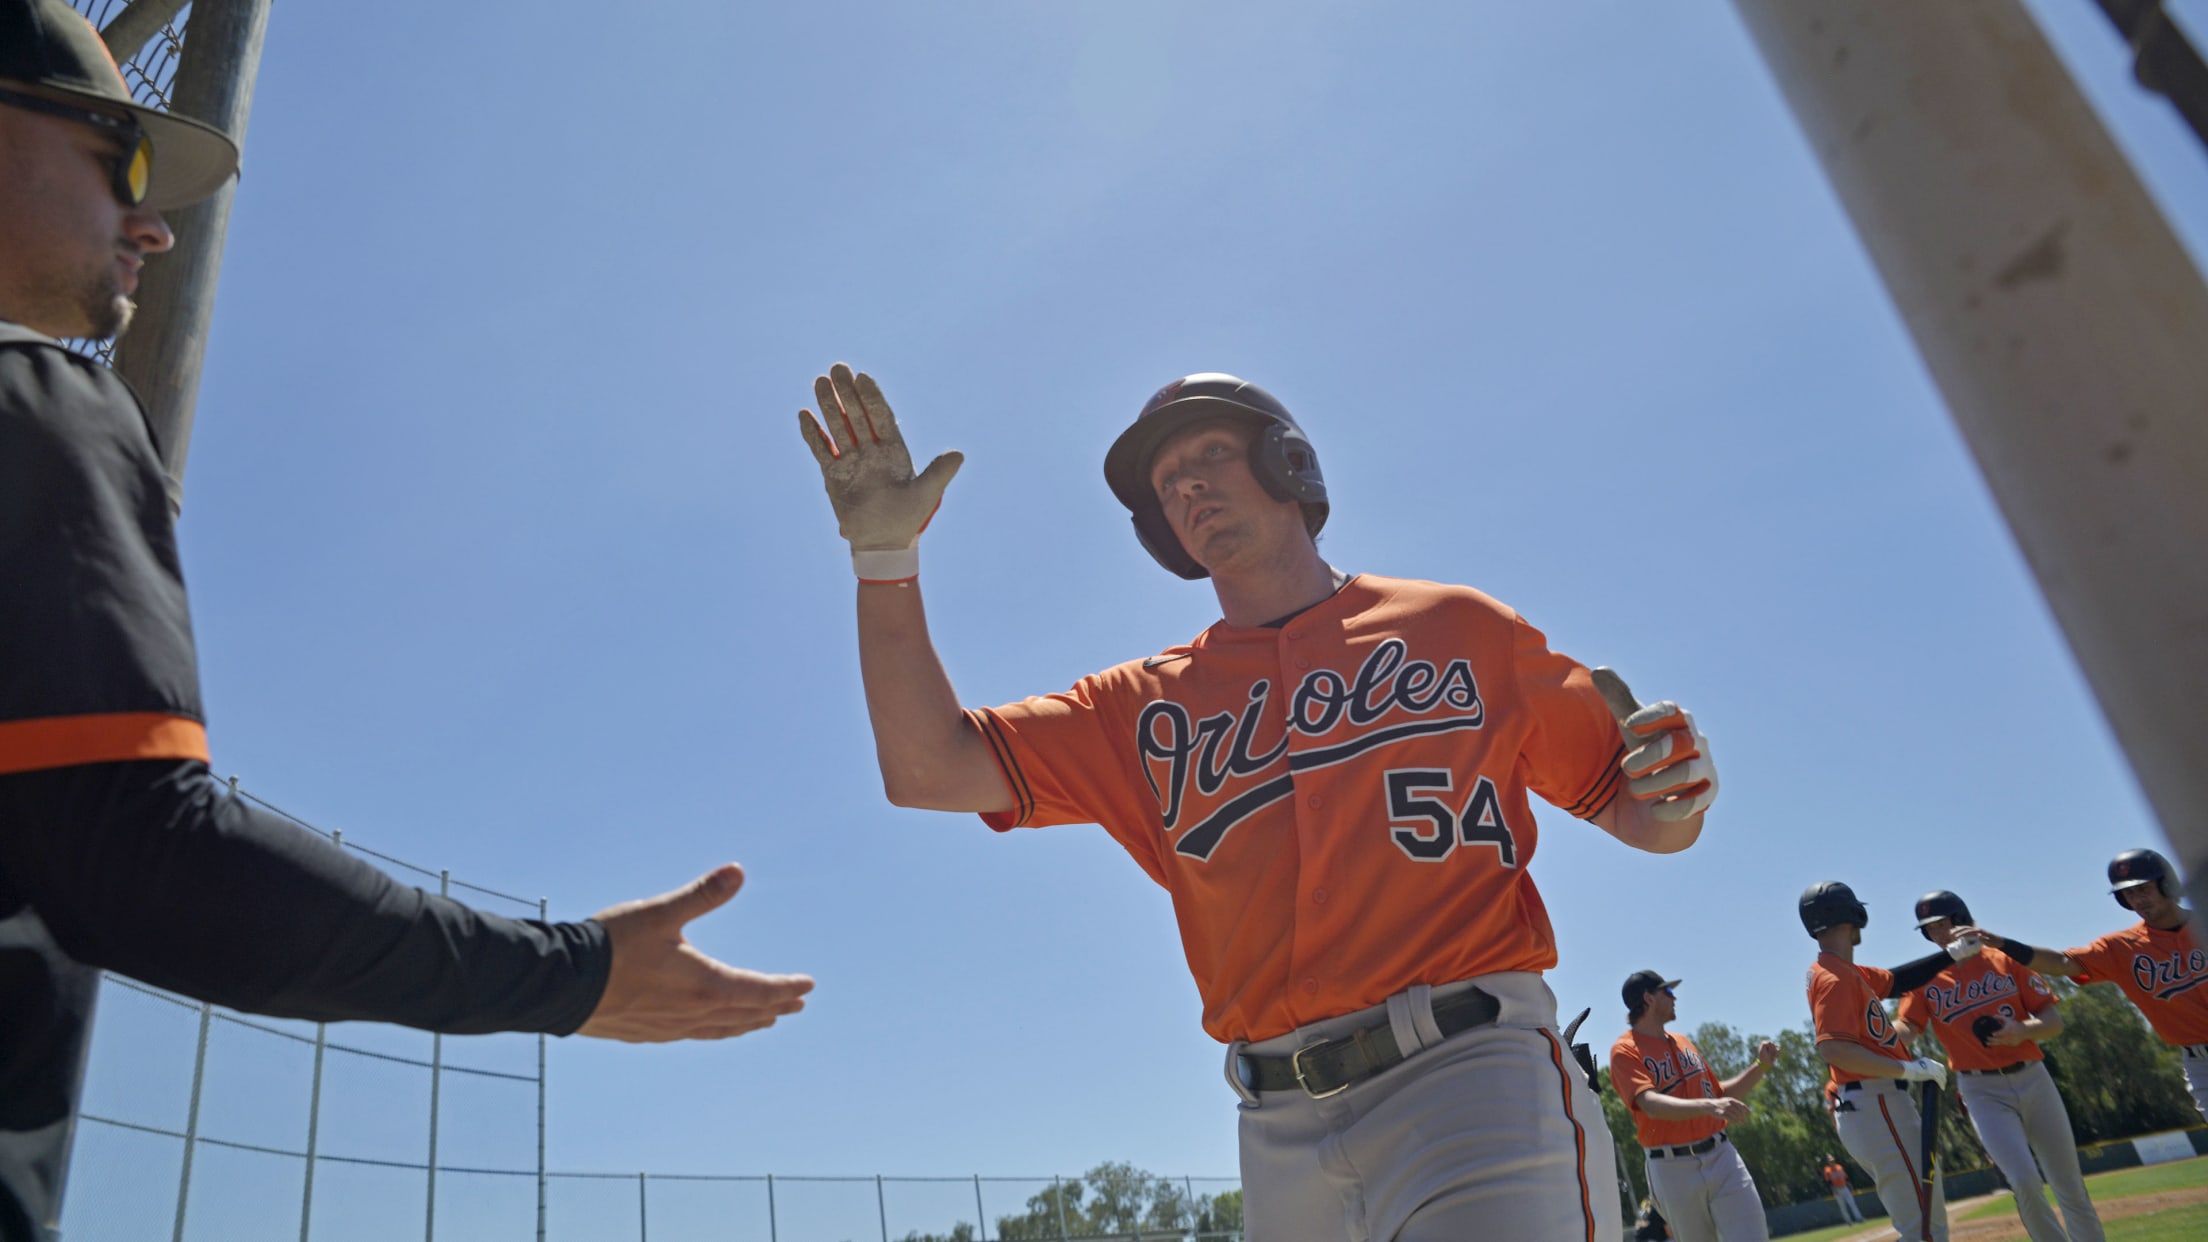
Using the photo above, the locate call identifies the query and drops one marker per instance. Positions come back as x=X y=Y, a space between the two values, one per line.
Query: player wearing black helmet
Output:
x=1333 y=782
x=1873 y=1111
x=2158 y=962
x=1990 y=1014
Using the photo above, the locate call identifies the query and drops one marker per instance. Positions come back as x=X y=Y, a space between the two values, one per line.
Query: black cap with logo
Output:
x=51 y=49
x=1639 y=984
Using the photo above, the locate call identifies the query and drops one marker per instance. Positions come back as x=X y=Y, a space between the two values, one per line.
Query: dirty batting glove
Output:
x=881 y=505
x=1667 y=761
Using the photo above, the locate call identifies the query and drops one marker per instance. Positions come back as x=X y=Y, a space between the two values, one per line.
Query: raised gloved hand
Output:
x=1668 y=762
x=881 y=506
x=1966 y=945
x=1925 y=1069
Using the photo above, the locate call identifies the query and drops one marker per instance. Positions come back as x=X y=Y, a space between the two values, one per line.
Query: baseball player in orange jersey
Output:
x=1836 y=1176
x=1990 y=1014
x=1332 y=783
x=1680 y=1111
x=1875 y=1114
x=2159 y=963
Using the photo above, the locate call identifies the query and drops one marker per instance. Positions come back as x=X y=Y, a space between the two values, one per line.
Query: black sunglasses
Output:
x=130 y=170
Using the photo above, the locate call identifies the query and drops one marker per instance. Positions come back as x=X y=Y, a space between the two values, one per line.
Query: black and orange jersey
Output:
x=102 y=667
x=1845 y=1003
x=1668 y=1065
x=2165 y=973
x=1988 y=982
x=1339 y=805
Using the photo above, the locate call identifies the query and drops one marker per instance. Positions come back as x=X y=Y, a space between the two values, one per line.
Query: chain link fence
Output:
x=202 y=1124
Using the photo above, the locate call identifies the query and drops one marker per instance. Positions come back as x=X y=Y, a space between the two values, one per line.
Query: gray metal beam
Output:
x=129 y=31
x=2065 y=326
x=166 y=347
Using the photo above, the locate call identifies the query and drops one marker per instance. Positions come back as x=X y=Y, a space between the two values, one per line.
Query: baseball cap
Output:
x=1640 y=983
x=46 y=45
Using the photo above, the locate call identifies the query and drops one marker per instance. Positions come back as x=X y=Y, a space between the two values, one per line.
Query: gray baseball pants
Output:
x=2196 y=1075
x=2019 y=1116
x=1879 y=1125
x=1492 y=1133
x=1708 y=1198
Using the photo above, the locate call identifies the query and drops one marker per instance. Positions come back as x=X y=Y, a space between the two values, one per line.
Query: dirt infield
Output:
x=2007 y=1228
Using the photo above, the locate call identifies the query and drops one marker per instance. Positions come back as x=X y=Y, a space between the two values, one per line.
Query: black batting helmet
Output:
x=1941 y=904
x=2133 y=868
x=1281 y=457
x=1829 y=905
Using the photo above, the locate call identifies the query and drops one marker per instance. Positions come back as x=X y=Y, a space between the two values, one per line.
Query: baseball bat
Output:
x=1928 y=1116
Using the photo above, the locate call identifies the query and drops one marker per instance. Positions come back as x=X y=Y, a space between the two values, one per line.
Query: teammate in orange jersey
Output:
x=1836 y=1176
x=2159 y=963
x=1332 y=783
x=1874 y=1112
x=1990 y=1014
x=1680 y=1111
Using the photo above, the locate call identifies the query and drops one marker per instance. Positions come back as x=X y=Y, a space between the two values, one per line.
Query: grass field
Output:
x=2188 y=1223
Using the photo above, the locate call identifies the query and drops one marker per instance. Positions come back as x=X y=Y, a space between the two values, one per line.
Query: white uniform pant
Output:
x=1879 y=1125
x=1708 y=1197
x=1849 y=1213
x=2196 y=1076
x=2019 y=1116
x=1493 y=1133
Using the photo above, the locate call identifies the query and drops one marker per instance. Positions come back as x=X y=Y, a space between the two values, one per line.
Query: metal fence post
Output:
x=643 y=1222
x=215 y=74
x=543 y=915
x=314 y=1129
x=1059 y=1193
x=981 y=1221
x=1190 y=1184
x=773 y=1234
x=191 y=1120
x=436 y=1082
x=881 y=1205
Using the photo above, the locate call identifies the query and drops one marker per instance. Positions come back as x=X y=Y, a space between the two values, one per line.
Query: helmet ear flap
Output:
x=1287 y=467
x=1157 y=538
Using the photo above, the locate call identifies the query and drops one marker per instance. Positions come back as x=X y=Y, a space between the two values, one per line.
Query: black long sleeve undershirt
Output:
x=152 y=870
x=1910 y=976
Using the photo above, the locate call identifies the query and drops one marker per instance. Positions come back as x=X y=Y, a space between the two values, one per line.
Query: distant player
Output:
x=1990 y=1014
x=1332 y=782
x=2159 y=963
x=1836 y=1176
x=1680 y=1111
x=1876 y=1116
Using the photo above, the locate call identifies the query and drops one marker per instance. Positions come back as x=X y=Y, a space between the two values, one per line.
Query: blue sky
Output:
x=506 y=557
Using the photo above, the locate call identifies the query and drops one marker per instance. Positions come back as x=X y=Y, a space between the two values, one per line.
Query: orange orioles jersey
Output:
x=1989 y=983
x=1844 y=1004
x=2165 y=973
x=1670 y=1065
x=1337 y=805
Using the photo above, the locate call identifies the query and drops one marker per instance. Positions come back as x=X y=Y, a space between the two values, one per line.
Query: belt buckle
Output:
x=1295 y=1062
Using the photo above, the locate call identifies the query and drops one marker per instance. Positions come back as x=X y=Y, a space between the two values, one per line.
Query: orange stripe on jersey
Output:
x=107 y=737
x=1579 y=1132
x=1591 y=803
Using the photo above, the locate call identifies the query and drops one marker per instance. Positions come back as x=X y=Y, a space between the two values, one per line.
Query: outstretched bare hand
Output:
x=661 y=988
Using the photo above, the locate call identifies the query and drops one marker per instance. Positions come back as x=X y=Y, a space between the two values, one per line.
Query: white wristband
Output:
x=887 y=565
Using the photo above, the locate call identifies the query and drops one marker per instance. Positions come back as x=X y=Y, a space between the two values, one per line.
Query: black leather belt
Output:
x=2017 y=1068
x=1331 y=1066
x=1896 y=1083
x=1691 y=1149
x=2194 y=1050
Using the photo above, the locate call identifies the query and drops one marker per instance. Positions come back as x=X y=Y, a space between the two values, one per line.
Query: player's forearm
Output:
x=147 y=869
x=1744 y=1082
x=1671 y=1108
x=930 y=756
x=1856 y=1059
x=1628 y=819
x=2046 y=1024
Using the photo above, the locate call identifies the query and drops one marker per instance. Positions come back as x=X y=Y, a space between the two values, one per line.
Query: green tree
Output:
x=1116 y=1199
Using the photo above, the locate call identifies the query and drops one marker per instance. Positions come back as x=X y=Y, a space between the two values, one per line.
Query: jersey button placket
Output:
x=1312 y=824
